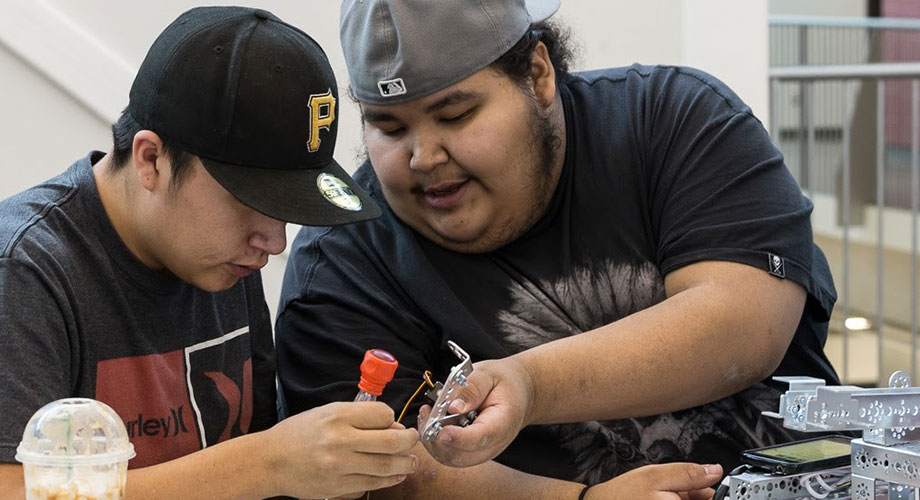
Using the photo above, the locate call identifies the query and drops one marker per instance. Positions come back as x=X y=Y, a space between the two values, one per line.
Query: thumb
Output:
x=687 y=476
x=471 y=396
x=423 y=413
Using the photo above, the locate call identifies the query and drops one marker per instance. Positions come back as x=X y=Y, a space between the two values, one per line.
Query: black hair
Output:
x=516 y=61
x=516 y=65
x=123 y=132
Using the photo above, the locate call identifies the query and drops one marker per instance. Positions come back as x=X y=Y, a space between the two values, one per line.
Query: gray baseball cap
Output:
x=400 y=50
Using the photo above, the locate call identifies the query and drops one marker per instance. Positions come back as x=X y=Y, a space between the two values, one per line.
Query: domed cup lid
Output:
x=75 y=431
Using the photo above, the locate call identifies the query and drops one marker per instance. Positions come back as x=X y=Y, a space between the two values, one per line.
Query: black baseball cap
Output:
x=255 y=98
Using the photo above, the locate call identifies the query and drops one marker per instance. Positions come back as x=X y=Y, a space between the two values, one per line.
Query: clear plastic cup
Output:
x=75 y=449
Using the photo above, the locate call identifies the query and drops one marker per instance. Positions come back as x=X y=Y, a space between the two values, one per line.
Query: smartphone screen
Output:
x=809 y=451
x=801 y=456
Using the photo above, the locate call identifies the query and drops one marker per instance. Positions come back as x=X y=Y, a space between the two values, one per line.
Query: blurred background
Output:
x=836 y=82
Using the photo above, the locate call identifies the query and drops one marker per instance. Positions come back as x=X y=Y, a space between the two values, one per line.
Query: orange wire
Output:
x=426 y=381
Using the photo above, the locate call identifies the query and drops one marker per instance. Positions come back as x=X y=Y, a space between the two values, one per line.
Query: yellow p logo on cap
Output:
x=318 y=119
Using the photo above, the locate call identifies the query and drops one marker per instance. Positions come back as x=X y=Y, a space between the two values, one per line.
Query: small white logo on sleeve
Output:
x=777 y=265
x=391 y=88
x=337 y=192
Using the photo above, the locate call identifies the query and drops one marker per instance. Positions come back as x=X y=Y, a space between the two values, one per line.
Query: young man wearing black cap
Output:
x=623 y=247
x=132 y=278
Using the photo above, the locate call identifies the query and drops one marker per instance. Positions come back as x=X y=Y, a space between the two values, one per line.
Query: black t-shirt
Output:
x=664 y=167
x=80 y=316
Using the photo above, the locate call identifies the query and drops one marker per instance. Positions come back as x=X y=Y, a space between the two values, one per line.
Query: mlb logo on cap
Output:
x=390 y=88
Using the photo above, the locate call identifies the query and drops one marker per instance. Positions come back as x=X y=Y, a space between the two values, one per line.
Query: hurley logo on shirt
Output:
x=178 y=402
x=148 y=425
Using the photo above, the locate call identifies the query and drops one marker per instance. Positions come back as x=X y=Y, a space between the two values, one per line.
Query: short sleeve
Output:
x=35 y=351
x=720 y=189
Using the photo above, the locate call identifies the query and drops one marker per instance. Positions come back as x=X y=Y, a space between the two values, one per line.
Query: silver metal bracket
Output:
x=793 y=404
x=897 y=466
x=758 y=486
x=439 y=416
x=886 y=415
x=884 y=464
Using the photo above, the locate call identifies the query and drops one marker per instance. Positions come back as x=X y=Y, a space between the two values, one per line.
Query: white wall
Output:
x=66 y=66
x=42 y=128
x=727 y=38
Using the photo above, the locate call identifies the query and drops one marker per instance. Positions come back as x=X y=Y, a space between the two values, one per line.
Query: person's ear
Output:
x=148 y=152
x=543 y=75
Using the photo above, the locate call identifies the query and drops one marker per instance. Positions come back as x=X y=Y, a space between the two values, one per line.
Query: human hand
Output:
x=677 y=481
x=340 y=449
x=502 y=392
x=363 y=494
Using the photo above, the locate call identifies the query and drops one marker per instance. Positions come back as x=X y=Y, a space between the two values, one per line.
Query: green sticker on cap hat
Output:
x=337 y=192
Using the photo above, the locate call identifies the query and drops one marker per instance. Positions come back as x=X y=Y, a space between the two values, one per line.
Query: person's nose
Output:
x=269 y=236
x=427 y=152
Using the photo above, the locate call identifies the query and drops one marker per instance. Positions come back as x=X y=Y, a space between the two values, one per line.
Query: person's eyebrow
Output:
x=449 y=99
x=456 y=97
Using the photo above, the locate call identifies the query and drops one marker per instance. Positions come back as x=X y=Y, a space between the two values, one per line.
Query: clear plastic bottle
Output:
x=377 y=370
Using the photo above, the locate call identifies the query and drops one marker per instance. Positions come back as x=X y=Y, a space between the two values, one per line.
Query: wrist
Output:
x=528 y=379
x=264 y=469
x=584 y=492
x=554 y=489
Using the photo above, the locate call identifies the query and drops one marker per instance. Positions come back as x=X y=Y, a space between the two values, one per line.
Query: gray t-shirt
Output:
x=81 y=316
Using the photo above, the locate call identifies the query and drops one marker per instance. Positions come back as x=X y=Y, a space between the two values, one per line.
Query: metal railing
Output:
x=851 y=134
x=808 y=43
x=807 y=40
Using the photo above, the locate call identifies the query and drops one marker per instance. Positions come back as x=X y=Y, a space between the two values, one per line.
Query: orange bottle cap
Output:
x=377 y=370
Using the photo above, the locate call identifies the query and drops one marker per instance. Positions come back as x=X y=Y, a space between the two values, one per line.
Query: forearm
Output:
x=701 y=344
x=489 y=480
x=234 y=469
x=12 y=485
x=637 y=366
x=229 y=470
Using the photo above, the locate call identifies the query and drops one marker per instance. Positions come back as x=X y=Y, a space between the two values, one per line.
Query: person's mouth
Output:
x=445 y=195
x=243 y=271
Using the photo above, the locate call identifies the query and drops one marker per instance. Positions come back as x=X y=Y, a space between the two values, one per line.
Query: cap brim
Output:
x=293 y=195
x=541 y=10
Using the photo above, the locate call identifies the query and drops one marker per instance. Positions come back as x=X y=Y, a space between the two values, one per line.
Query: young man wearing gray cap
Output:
x=133 y=277
x=623 y=252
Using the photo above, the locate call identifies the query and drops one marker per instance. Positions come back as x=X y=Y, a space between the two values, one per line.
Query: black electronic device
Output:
x=799 y=457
